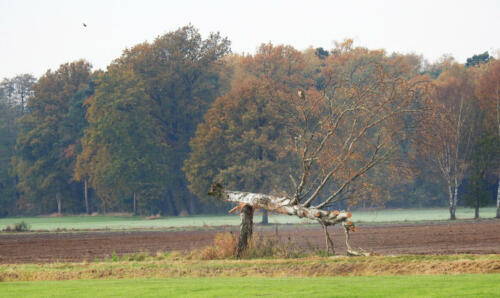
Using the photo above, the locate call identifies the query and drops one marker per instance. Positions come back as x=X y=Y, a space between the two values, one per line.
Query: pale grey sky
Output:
x=38 y=35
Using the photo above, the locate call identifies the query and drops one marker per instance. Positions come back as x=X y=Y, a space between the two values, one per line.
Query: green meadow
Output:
x=477 y=285
x=137 y=222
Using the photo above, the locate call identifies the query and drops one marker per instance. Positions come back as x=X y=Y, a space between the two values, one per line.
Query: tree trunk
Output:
x=59 y=203
x=476 y=208
x=265 y=217
x=455 y=198
x=498 y=199
x=86 y=192
x=246 y=226
x=452 y=204
x=134 y=207
x=329 y=243
x=281 y=205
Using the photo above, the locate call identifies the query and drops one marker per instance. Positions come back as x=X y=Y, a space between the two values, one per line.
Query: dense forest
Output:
x=152 y=132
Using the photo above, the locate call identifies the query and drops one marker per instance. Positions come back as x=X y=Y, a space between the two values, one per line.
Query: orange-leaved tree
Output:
x=240 y=141
x=334 y=132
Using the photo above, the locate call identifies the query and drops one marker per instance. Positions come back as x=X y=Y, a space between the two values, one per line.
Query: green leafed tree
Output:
x=176 y=78
x=478 y=59
x=485 y=160
x=43 y=163
x=13 y=95
x=15 y=91
x=124 y=150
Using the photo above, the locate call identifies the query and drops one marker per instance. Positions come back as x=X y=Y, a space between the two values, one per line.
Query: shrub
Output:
x=18 y=227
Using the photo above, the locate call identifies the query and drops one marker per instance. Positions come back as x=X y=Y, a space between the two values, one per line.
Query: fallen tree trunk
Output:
x=283 y=205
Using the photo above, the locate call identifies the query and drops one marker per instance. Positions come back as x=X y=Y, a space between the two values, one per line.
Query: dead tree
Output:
x=337 y=135
x=248 y=202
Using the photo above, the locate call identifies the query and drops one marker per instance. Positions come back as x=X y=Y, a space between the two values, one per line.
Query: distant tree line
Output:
x=168 y=118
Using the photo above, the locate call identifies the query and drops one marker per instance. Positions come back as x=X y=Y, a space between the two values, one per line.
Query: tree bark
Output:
x=246 y=228
x=85 y=193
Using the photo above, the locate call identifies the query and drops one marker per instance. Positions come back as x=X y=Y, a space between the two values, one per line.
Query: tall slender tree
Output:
x=450 y=129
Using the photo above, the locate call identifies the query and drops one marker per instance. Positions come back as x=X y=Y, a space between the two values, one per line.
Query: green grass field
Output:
x=478 y=285
x=136 y=222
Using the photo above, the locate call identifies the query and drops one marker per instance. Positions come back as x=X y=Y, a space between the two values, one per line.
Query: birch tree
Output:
x=449 y=129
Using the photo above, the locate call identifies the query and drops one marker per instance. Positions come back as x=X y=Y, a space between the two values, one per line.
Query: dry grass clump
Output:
x=272 y=247
x=225 y=244
x=223 y=248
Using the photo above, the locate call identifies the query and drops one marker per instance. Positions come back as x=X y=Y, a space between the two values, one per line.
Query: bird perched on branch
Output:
x=301 y=94
x=84 y=25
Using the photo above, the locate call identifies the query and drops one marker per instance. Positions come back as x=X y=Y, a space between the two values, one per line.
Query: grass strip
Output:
x=479 y=285
x=171 y=267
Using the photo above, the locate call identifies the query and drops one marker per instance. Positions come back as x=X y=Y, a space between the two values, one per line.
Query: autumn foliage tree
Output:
x=315 y=131
x=448 y=136
x=240 y=141
x=335 y=134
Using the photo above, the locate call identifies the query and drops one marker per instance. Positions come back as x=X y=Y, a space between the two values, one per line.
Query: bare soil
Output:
x=474 y=237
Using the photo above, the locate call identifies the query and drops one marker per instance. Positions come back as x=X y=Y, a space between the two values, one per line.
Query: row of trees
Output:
x=379 y=116
x=343 y=127
x=116 y=140
x=461 y=133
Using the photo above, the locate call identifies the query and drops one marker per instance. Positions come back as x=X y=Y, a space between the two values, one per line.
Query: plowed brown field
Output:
x=481 y=237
